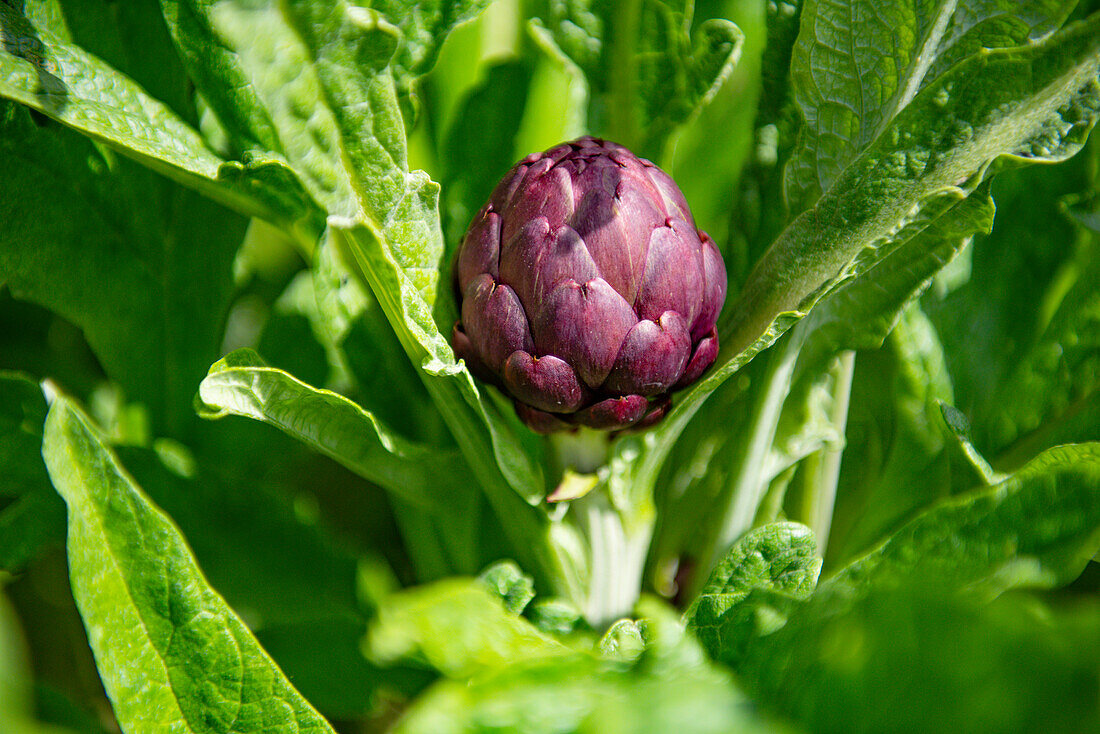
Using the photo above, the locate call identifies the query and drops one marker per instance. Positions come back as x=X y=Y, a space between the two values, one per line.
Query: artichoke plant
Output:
x=586 y=292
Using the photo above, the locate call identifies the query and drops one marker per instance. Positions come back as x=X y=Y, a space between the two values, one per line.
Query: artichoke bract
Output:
x=586 y=292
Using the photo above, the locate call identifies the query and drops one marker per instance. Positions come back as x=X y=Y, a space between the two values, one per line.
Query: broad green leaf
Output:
x=458 y=627
x=648 y=71
x=254 y=71
x=856 y=65
x=79 y=90
x=669 y=686
x=141 y=265
x=781 y=558
x=349 y=48
x=172 y=655
x=242 y=384
x=1036 y=250
x=910 y=659
x=862 y=311
x=894 y=464
x=1034 y=103
x=203 y=33
x=1037 y=528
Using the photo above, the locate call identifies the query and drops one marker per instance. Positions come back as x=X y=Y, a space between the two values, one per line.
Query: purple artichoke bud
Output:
x=586 y=292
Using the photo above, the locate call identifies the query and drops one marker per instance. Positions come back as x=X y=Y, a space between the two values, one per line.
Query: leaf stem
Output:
x=741 y=497
x=823 y=467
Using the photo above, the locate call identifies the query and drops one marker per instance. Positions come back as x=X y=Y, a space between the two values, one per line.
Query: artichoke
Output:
x=586 y=292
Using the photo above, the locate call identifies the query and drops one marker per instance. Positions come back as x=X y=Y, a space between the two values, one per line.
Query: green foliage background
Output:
x=880 y=510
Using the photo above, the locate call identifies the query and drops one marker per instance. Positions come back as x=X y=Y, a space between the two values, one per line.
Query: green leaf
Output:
x=861 y=311
x=424 y=27
x=856 y=65
x=515 y=588
x=1034 y=103
x=141 y=265
x=894 y=463
x=171 y=654
x=910 y=659
x=77 y=89
x=780 y=558
x=242 y=384
x=254 y=72
x=349 y=48
x=1037 y=528
x=668 y=687
x=458 y=627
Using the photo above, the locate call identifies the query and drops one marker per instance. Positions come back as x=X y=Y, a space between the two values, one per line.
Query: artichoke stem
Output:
x=584 y=450
x=616 y=560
